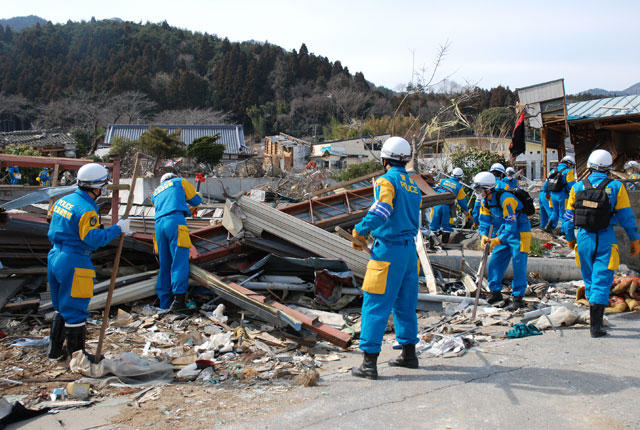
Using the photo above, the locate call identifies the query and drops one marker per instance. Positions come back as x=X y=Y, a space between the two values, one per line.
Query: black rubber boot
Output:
x=56 y=338
x=76 y=336
x=368 y=368
x=516 y=303
x=407 y=358
x=495 y=297
x=446 y=235
x=549 y=227
x=179 y=305
x=597 y=325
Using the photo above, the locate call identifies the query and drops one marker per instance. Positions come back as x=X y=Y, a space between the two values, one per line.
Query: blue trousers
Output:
x=598 y=259
x=71 y=276
x=14 y=181
x=391 y=284
x=441 y=219
x=515 y=248
x=173 y=244
x=559 y=201
x=545 y=209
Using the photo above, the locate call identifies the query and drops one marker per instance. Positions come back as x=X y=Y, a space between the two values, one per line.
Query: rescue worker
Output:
x=632 y=168
x=441 y=215
x=595 y=205
x=499 y=172
x=44 y=178
x=171 y=239
x=512 y=241
x=14 y=174
x=391 y=280
x=544 y=201
x=75 y=232
x=558 y=185
x=511 y=181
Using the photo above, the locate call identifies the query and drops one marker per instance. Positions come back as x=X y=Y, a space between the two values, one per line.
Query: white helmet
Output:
x=631 y=165
x=568 y=159
x=511 y=172
x=483 y=181
x=497 y=167
x=93 y=175
x=457 y=173
x=600 y=160
x=168 y=176
x=396 y=148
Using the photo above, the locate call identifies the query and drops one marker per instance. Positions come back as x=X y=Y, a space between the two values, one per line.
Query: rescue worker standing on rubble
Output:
x=44 y=178
x=595 y=205
x=512 y=241
x=511 y=181
x=441 y=215
x=544 y=201
x=632 y=168
x=171 y=239
x=391 y=280
x=76 y=232
x=558 y=185
x=14 y=174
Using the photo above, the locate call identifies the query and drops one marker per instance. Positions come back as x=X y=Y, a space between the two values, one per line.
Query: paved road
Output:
x=560 y=380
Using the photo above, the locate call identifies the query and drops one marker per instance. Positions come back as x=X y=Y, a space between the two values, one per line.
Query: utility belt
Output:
x=395 y=242
x=71 y=250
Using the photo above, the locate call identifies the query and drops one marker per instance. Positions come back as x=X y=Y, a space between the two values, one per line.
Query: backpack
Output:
x=593 y=207
x=524 y=198
x=555 y=181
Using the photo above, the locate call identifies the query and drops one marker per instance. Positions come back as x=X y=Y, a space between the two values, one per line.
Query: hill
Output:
x=632 y=90
x=21 y=22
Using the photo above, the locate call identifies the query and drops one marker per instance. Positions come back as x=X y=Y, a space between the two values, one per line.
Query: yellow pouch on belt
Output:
x=525 y=241
x=155 y=244
x=184 y=241
x=577 y=257
x=82 y=286
x=614 y=260
x=375 y=280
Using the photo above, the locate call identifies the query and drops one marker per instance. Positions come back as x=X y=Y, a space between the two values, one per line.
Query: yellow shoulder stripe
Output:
x=189 y=190
x=509 y=202
x=623 y=199
x=385 y=191
x=88 y=222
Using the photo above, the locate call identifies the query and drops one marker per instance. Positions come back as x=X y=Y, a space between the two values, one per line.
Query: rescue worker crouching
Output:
x=44 y=178
x=171 y=239
x=558 y=185
x=75 y=232
x=391 y=280
x=442 y=215
x=512 y=241
x=595 y=205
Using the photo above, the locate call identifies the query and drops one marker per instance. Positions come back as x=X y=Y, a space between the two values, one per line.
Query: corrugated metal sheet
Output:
x=36 y=138
x=604 y=108
x=231 y=136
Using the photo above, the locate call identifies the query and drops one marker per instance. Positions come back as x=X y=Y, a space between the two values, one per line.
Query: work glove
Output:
x=572 y=244
x=493 y=243
x=635 y=248
x=475 y=226
x=361 y=239
x=548 y=196
x=125 y=226
x=484 y=241
x=194 y=211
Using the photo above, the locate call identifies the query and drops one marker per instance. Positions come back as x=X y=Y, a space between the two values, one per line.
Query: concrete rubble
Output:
x=275 y=295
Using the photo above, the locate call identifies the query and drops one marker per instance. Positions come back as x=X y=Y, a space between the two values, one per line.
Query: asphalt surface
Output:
x=560 y=380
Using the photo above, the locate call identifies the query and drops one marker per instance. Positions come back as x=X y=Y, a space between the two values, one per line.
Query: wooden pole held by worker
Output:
x=116 y=262
x=481 y=270
x=345 y=234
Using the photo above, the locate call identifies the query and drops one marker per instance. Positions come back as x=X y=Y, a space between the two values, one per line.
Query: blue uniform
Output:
x=44 y=178
x=441 y=216
x=14 y=174
x=391 y=281
x=501 y=184
x=75 y=232
x=510 y=184
x=597 y=252
x=171 y=239
x=630 y=185
x=514 y=233
x=559 y=198
x=545 y=208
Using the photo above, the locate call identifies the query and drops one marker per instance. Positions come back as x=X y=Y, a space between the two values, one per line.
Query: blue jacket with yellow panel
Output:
x=396 y=194
x=173 y=196
x=75 y=224
x=568 y=177
x=454 y=186
x=510 y=184
x=619 y=201
x=504 y=211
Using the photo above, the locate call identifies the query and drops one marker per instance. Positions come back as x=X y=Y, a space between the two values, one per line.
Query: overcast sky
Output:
x=591 y=44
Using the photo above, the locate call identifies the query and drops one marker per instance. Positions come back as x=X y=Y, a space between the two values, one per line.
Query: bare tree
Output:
x=192 y=116
x=130 y=107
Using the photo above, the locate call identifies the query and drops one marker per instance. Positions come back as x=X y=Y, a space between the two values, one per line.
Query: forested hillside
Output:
x=82 y=75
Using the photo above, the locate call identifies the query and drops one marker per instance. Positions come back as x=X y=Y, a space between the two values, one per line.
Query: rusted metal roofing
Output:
x=231 y=136
x=38 y=138
x=604 y=108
